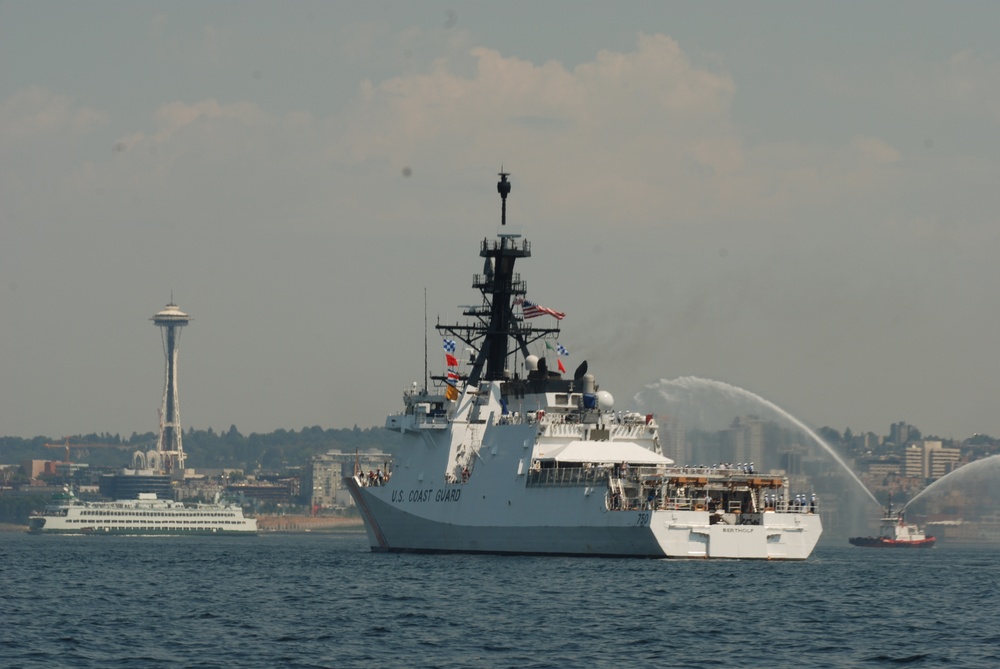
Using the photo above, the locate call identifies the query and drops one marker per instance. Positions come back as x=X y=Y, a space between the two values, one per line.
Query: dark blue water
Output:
x=323 y=600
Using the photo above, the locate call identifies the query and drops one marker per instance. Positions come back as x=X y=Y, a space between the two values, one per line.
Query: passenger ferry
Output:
x=509 y=454
x=145 y=515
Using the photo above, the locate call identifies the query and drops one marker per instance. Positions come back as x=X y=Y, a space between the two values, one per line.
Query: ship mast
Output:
x=503 y=187
x=497 y=327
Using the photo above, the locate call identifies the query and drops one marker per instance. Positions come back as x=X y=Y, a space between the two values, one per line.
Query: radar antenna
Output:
x=503 y=187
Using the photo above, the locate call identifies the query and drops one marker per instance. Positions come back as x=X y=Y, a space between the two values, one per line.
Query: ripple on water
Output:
x=325 y=601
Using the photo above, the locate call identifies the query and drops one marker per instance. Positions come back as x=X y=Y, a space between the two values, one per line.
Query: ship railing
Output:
x=554 y=425
x=519 y=418
x=503 y=243
x=366 y=481
x=629 y=419
x=567 y=476
x=691 y=470
x=561 y=429
x=735 y=506
x=787 y=506
x=680 y=504
x=432 y=419
x=617 y=502
x=628 y=432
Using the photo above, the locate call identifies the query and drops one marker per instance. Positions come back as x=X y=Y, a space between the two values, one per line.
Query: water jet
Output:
x=691 y=383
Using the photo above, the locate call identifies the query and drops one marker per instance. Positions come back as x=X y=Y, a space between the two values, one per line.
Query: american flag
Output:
x=532 y=310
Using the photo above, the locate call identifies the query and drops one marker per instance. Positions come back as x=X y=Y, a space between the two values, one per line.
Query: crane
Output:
x=82 y=446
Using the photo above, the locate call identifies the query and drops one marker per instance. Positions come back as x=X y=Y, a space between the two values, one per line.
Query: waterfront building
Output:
x=325 y=475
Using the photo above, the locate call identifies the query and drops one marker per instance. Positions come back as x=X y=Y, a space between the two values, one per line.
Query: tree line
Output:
x=206 y=449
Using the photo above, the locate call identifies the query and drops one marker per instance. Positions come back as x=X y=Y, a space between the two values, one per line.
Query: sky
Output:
x=799 y=199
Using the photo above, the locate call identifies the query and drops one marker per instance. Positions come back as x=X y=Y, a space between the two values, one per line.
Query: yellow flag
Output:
x=451 y=393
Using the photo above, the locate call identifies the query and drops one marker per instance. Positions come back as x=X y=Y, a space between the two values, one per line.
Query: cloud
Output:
x=41 y=133
x=208 y=46
x=634 y=139
x=36 y=114
x=875 y=150
x=643 y=124
x=971 y=81
x=703 y=246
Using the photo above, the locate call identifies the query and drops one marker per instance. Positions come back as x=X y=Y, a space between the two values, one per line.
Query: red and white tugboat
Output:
x=895 y=532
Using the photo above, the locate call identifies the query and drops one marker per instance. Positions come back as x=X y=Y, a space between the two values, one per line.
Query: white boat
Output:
x=145 y=515
x=508 y=456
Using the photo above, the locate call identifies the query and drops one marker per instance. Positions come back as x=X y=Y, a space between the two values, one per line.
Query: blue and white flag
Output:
x=449 y=345
x=562 y=349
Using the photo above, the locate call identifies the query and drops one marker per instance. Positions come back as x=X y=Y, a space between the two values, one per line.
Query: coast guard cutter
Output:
x=508 y=455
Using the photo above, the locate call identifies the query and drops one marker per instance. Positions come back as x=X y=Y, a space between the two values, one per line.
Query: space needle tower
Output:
x=169 y=447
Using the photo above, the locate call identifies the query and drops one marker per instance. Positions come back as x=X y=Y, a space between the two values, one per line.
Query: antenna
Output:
x=426 y=383
x=503 y=187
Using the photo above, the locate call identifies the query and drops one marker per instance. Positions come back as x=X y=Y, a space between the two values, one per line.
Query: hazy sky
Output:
x=799 y=199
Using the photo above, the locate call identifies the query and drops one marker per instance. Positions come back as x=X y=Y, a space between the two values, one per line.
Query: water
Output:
x=324 y=600
x=987 y=469
x=688 y=383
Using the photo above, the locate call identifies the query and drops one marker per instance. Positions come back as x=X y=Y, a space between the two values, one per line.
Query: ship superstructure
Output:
x=508 y=455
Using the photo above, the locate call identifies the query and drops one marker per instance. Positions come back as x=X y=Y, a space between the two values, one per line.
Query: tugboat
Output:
x=895 y=532
x=507 y=453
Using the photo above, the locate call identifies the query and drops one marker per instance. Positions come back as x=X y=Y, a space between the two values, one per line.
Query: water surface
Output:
x=324 y=600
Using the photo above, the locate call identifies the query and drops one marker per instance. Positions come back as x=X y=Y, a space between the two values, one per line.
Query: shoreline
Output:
x=291 y=523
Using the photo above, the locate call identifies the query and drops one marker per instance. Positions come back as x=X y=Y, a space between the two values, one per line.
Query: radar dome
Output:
x=605 y=400
x=531 y=363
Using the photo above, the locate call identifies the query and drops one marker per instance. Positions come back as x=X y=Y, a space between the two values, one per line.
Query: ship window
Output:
x=562 y=399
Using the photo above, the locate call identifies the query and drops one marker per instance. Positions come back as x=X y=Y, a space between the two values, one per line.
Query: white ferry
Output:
x=145 y=515
x=508 y=456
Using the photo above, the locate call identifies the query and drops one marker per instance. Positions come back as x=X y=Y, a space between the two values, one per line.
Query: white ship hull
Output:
x=506 y=507
x=649 y=534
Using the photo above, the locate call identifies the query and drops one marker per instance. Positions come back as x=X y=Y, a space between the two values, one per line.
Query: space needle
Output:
x=168 y=446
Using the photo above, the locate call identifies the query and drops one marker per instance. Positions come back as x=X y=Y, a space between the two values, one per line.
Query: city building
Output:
x=280 y=492
x=930 y=459
x=880 y=468
x=943 y=461
x=324 y=476
x=675 y=444
x=899 y=433
x=743 y=442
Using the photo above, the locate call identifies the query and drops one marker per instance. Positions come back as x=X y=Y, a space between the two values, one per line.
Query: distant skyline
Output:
x=797 y=199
